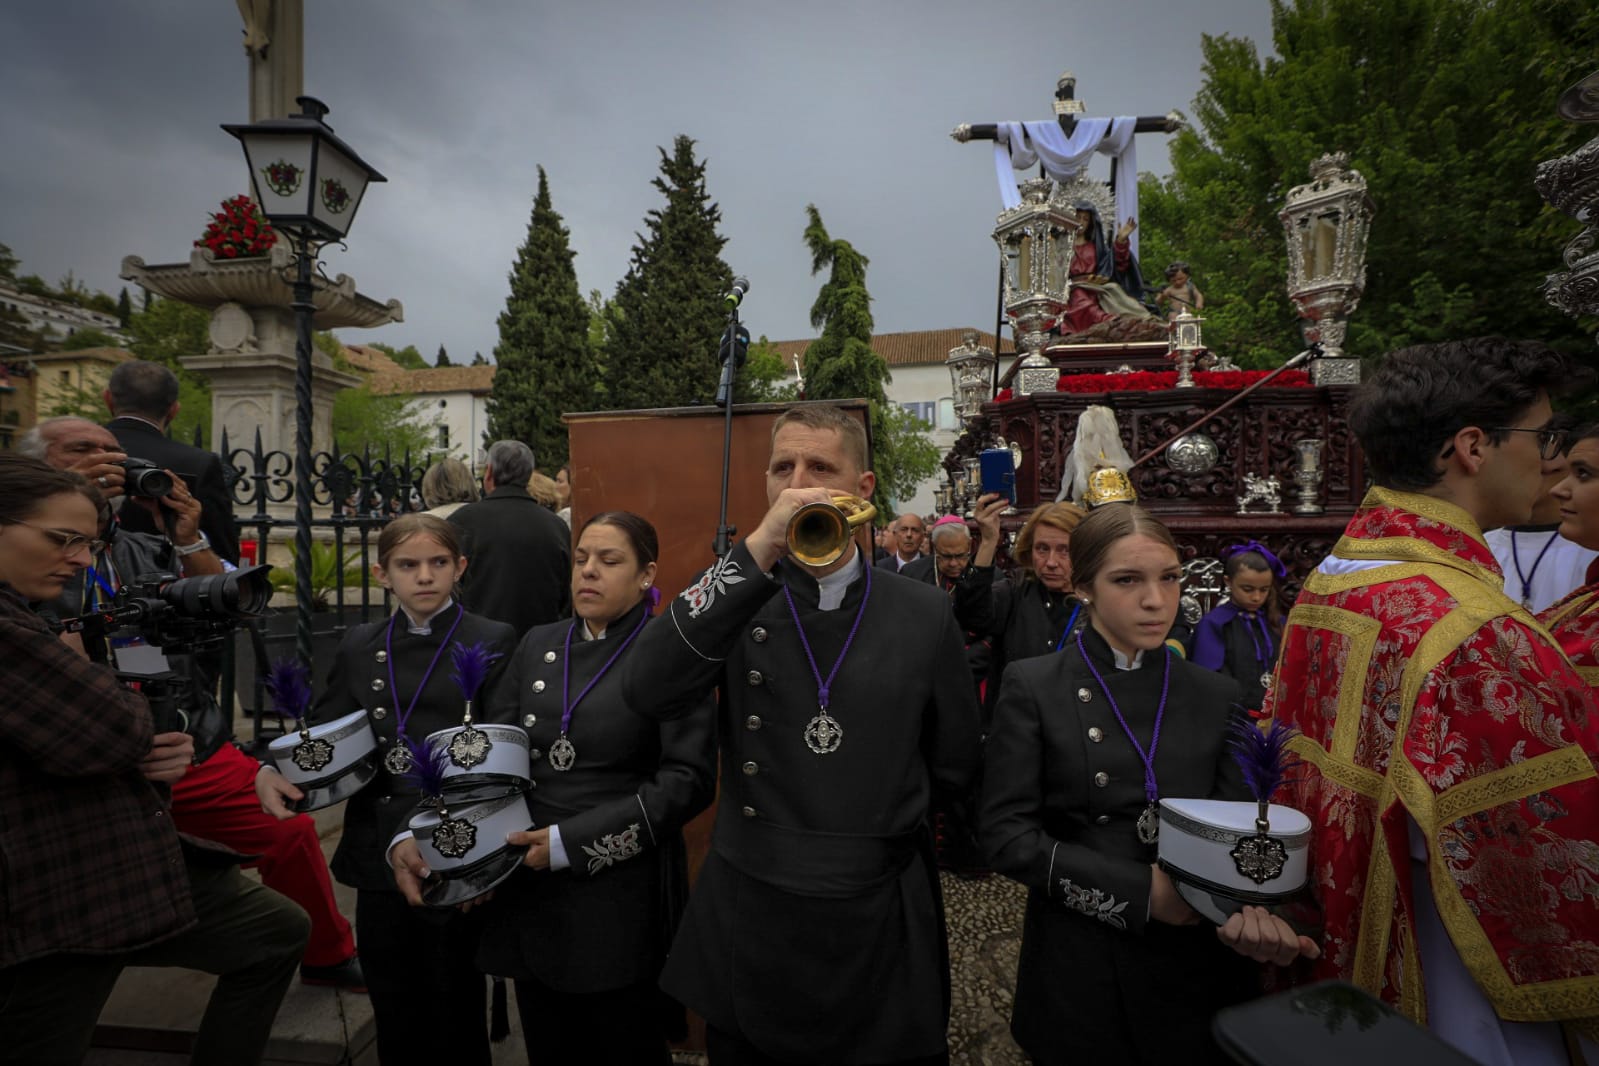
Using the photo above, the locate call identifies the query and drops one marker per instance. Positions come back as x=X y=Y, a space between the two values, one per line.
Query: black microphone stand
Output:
x=733 y=354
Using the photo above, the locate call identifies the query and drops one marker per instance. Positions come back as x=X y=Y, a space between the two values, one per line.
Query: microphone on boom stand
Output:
x=735 y=347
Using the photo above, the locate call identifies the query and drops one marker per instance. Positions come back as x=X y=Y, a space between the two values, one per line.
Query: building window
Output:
x=946 y=415
x=66 y=377
x=444 y=438
x=926 y=410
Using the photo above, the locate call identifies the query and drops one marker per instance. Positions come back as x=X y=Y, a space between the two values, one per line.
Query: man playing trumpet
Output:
x=815 y=933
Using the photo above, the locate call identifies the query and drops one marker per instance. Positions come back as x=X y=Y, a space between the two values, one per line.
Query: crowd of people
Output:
x=837 y=713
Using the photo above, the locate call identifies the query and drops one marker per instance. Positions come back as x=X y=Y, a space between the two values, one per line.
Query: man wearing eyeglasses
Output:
x=1446 y=744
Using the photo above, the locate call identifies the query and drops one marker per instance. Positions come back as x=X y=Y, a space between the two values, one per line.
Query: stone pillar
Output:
x=251 y=368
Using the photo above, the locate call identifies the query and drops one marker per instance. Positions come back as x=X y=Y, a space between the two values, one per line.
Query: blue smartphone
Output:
x=998 y=467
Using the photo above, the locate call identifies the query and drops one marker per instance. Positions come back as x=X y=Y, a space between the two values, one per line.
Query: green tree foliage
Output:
x=124 y=308
x=1444 y=105
x=408 y=357
x=82 y=339
x=840 y=365
x=8 y=262
x=77 y=401
x=765 y=378
x=388 y=425
x=545 y=364
x=662 y=334
x=443 y=358
x=478 y=360
x=165 y=331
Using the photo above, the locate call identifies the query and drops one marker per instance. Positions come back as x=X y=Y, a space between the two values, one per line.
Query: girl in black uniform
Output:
x=1240 y=637
x=584 y=926
x=1114 y=967
x=427 y=996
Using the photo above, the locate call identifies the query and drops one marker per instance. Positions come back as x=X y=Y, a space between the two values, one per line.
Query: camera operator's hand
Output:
x=405 y=859
x=183 y=509
x=276 y=793
x=171 y=755
x=102 y=468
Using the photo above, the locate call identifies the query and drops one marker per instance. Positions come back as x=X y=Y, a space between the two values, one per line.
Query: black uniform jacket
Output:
x=200 y=469
x=519 y=554
x=1014 y=618
x=816 y=927
x=606 y=921
x=360 y=678
x=964 y=589
x=1097 y=980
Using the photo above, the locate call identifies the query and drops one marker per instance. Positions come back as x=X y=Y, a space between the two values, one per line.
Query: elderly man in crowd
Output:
x=906 y=536
x=519 y=553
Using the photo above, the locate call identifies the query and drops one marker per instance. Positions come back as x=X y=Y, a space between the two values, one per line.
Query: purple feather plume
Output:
x=472 y=662
x=289 y=682
x=429 y=761
x=1262 y=756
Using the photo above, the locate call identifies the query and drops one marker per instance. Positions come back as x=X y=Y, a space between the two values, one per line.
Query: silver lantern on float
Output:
x=1327 y=221
x=971 y=376
x=1035 y=239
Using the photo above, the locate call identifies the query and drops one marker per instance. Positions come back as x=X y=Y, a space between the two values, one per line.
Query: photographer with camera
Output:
x=143 y=399
x=218 y=800
x=95 y=876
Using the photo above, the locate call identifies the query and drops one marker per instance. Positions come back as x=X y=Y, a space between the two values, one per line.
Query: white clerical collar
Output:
x=831 y=590
x=1124 y=663
x=423 y=627
x=589 y=634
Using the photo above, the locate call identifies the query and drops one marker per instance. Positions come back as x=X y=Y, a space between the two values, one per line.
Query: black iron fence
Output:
x=354 y=495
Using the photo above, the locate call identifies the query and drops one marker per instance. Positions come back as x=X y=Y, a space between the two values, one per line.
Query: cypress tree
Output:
x=841 y=365
x=544 y=359
x=443 y=358
x=663 y=329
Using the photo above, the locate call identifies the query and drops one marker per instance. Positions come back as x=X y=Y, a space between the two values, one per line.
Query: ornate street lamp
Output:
x=1327 y=221
x=971 y=376
x=1035 y=237
x=309 y=185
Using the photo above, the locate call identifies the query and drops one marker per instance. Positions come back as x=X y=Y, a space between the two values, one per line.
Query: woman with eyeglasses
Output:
x=95 y=869
x=1541 y=565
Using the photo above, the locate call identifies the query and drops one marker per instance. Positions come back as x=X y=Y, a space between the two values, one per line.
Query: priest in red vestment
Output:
x=1447 y=744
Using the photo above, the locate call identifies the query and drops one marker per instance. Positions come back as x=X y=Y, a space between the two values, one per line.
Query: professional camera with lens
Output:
x=154 y=627
x=144 y=478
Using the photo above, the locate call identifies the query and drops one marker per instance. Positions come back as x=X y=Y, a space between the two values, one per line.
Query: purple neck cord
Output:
x=823 y=688
x=1264 y=662
x=1515 y=557
x=1151 y=793
x=404 y=716
x=566 y=670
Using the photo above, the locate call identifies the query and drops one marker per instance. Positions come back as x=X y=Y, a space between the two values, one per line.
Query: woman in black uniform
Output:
x=418 y=963
x=1114 y=967
x=584 y=927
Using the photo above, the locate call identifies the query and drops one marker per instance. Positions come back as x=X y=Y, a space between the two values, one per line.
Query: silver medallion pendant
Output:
x=312 y=755
x=398 y=760
x=1265 y=681
x=470 y=747
x=823 y=734
x=1149 y=825
x=562 y=754
x=454 y=838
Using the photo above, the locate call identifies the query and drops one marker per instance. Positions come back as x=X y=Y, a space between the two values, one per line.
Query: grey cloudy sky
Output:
x=112 y=147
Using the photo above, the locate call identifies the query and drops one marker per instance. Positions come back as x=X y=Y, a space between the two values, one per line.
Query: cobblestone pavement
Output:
x=985 y=937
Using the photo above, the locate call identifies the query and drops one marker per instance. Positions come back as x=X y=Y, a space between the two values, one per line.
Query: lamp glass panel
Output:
x=340 y=182
x=280 y=173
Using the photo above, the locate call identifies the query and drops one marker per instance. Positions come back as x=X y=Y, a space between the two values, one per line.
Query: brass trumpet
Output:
x=818 y=533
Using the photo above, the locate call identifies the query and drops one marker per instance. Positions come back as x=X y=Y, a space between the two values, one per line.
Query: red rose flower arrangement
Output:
x=238 y=230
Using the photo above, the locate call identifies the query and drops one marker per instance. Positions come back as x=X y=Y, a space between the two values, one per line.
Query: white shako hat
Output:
x=1221 y=856
x=329 y=762
x=487 y=761
x=465 y=847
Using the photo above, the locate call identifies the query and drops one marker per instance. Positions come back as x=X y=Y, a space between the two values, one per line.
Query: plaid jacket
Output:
x=89 y=861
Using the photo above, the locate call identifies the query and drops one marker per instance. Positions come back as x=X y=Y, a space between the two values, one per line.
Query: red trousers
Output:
x=216 y=801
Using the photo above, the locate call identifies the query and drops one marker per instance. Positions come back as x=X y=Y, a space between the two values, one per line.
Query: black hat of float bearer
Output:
x=463 y=845
x=1224 y=854
x=330 y=761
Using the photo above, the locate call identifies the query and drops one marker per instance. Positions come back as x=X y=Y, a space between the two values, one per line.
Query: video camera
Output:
x=161 y=615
